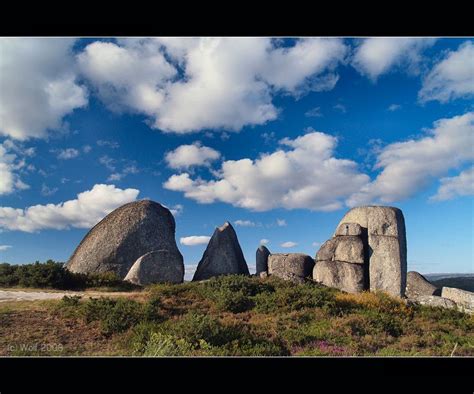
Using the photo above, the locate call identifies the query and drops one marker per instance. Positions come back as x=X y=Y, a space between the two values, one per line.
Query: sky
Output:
x=278 y=136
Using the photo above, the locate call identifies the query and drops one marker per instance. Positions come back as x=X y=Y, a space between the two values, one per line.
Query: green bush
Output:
x=53 y=275
x=114 y=315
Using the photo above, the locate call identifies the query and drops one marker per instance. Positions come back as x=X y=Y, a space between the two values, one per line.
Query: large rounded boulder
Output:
x=127 y=233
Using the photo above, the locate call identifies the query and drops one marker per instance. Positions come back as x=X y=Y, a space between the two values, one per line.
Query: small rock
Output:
x=418 y=285
x=263 y=274
x=290 y=266
x=463 y=298
x=348 y=229
x=432 y=300
x=261 y=258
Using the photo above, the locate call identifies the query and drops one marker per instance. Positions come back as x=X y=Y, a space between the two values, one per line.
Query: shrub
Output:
x=161 y=344
x=294 y=297
x=114 y=315
x=71 y=301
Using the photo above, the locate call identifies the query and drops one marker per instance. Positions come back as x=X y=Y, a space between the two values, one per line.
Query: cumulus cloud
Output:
x=195 y=240
x=460 y=185
x=288 y=244
x=264 y=241
x=83 y=212
x=186 y=156
x=110 y=144
x=409 y=166
x=66 y=154
x=38 y=85
x=4 y=247
x=303 y=173
x=281 y=222
x=378 y=55
x=117 y=176
x=208 y=83
x=244 y=223
x=12 y=162
x=452 y=77
x=314 y=112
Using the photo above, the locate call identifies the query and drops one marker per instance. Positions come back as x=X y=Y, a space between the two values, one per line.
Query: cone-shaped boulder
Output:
x=223 y=255
x=124 y=235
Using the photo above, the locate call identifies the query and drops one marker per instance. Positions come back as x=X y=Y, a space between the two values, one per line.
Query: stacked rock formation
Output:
x=126 y=234
x=341 y=262
x=295 y=267
x=222 y=256
x=367 y=251
x=261 y=259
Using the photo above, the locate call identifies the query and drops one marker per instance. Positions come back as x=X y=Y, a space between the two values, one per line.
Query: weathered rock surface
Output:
x=327 y=250
x=261 y=258
x=290 y=266
x=127 y=233
x=223 y=255
x=418 y=285
x=348 y=229
x=340 y=275
x=463 y=298
x=432 y=300
x=158 y=266
x=385 y=228
x=350 y=249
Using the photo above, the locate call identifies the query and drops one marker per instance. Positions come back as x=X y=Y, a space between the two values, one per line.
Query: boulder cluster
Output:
x=368 y=252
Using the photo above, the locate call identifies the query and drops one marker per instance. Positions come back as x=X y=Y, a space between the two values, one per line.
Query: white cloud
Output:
x=67 y=154
x=186 y=156
x=451 y=78
x=38 y=85
x=83 y=212
x=194 y=240
x=281 y=222
x=341 y=108
x=47 y=191
x=409 y=166
x=378 y=55
x=4 y=247
x=288 y=244
x=244 y=223
x=117 y=176
x=177 y=209
x=316 y=244
x=264 y=241
x=314 y=113
x=108 y=162
x=110 y=144
x=11 y=163
x=394 y=107
x=305 y=176
x=460 y=185
x=86 y=148
x=225 y=82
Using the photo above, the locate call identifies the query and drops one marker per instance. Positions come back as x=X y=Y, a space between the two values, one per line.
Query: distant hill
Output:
x=460 y=282
x=432 y=277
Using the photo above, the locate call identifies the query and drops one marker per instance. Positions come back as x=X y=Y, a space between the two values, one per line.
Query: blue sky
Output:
x=278 y=136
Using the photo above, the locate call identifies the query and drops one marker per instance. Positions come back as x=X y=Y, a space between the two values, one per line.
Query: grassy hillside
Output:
x=236 y=316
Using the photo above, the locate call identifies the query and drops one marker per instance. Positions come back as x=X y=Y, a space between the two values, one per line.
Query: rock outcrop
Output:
x=157 y=266
x=341 y=275
x=290 y=266
x=222 y=256
x=432 y=300
x=384 y=229
x=127 y=233
x=418 y=285
x=261 y=259
x=463 y=298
